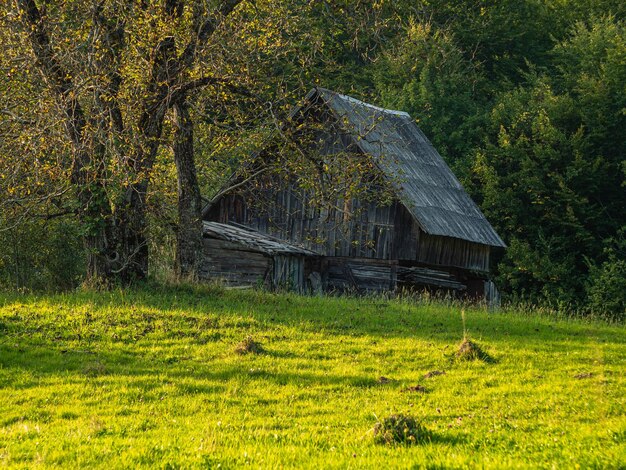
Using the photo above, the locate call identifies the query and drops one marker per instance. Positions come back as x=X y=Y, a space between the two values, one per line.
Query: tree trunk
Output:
x=100 y=237
x=189 y=232
x=99 y=258
x=132 y=242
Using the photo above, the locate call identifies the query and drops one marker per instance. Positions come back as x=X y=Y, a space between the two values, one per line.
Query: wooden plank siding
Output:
x=288 y=272
x=378 y=232
x=446 y=251
x=359 y=275
x=234 y=265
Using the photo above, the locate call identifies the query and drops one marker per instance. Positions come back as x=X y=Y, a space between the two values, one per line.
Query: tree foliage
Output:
x=113 y=70
x=552 y=170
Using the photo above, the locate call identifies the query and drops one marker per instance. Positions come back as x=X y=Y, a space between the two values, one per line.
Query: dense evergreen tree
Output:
x=552 y=172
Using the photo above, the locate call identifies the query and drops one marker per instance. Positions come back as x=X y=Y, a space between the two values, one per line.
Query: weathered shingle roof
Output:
x=427 y=186
x=252 y=240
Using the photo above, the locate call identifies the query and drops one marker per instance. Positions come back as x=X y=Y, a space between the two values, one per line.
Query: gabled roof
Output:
x=252 y=240
x=427 y=186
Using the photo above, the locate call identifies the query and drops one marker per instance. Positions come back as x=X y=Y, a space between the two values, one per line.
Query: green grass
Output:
x=150 y=378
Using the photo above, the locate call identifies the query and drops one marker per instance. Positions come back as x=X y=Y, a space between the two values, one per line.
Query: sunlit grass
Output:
x=152 y=378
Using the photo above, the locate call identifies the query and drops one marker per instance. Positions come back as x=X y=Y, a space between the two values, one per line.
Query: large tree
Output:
x=113 y=70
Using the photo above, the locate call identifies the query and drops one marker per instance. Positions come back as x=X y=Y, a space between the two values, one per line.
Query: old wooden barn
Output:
x=430 y=234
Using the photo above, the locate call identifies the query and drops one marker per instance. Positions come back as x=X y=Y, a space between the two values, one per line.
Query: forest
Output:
x=119 y=119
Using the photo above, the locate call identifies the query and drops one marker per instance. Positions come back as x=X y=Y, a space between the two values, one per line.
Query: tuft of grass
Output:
x=583 y=375
x=434 y=373
x=469 y=350
x=249 y=346
x=94 y=369
x=400 y=429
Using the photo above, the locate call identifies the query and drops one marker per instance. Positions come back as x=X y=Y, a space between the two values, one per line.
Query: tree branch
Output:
x=112 y=35
x=230 y=188
x=205 y=31
x=180 y=92
x=17 y=118
x=53 y=72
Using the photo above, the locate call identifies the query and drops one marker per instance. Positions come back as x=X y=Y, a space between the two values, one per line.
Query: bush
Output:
x=606 y=290
x=41 y=255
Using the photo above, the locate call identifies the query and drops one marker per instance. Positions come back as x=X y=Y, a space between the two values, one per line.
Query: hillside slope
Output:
x=152 y=379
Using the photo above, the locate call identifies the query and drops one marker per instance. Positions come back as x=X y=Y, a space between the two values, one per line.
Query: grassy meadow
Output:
x=152 y=378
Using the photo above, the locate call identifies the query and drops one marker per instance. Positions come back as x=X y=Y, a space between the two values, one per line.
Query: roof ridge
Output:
x=350 y=99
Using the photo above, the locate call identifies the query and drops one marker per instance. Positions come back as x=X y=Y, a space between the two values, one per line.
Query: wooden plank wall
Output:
x=492 y=295
x=294 y=218
x=358 y=275
x=288 y=273
x=386 y=233
x=236 y=266
x=445 y=251
x=227 y=262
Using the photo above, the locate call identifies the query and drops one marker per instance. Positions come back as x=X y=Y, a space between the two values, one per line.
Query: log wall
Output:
x=235 y=266
x=358 y=275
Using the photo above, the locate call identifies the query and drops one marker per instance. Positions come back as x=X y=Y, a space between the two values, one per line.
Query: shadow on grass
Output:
x=72 y=338
x=41 y=363
x=188 y=310
x=438 y=438
x=432 y=438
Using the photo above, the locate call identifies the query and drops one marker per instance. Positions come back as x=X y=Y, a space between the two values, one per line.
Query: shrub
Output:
x=41 y=255
x=606 y=290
